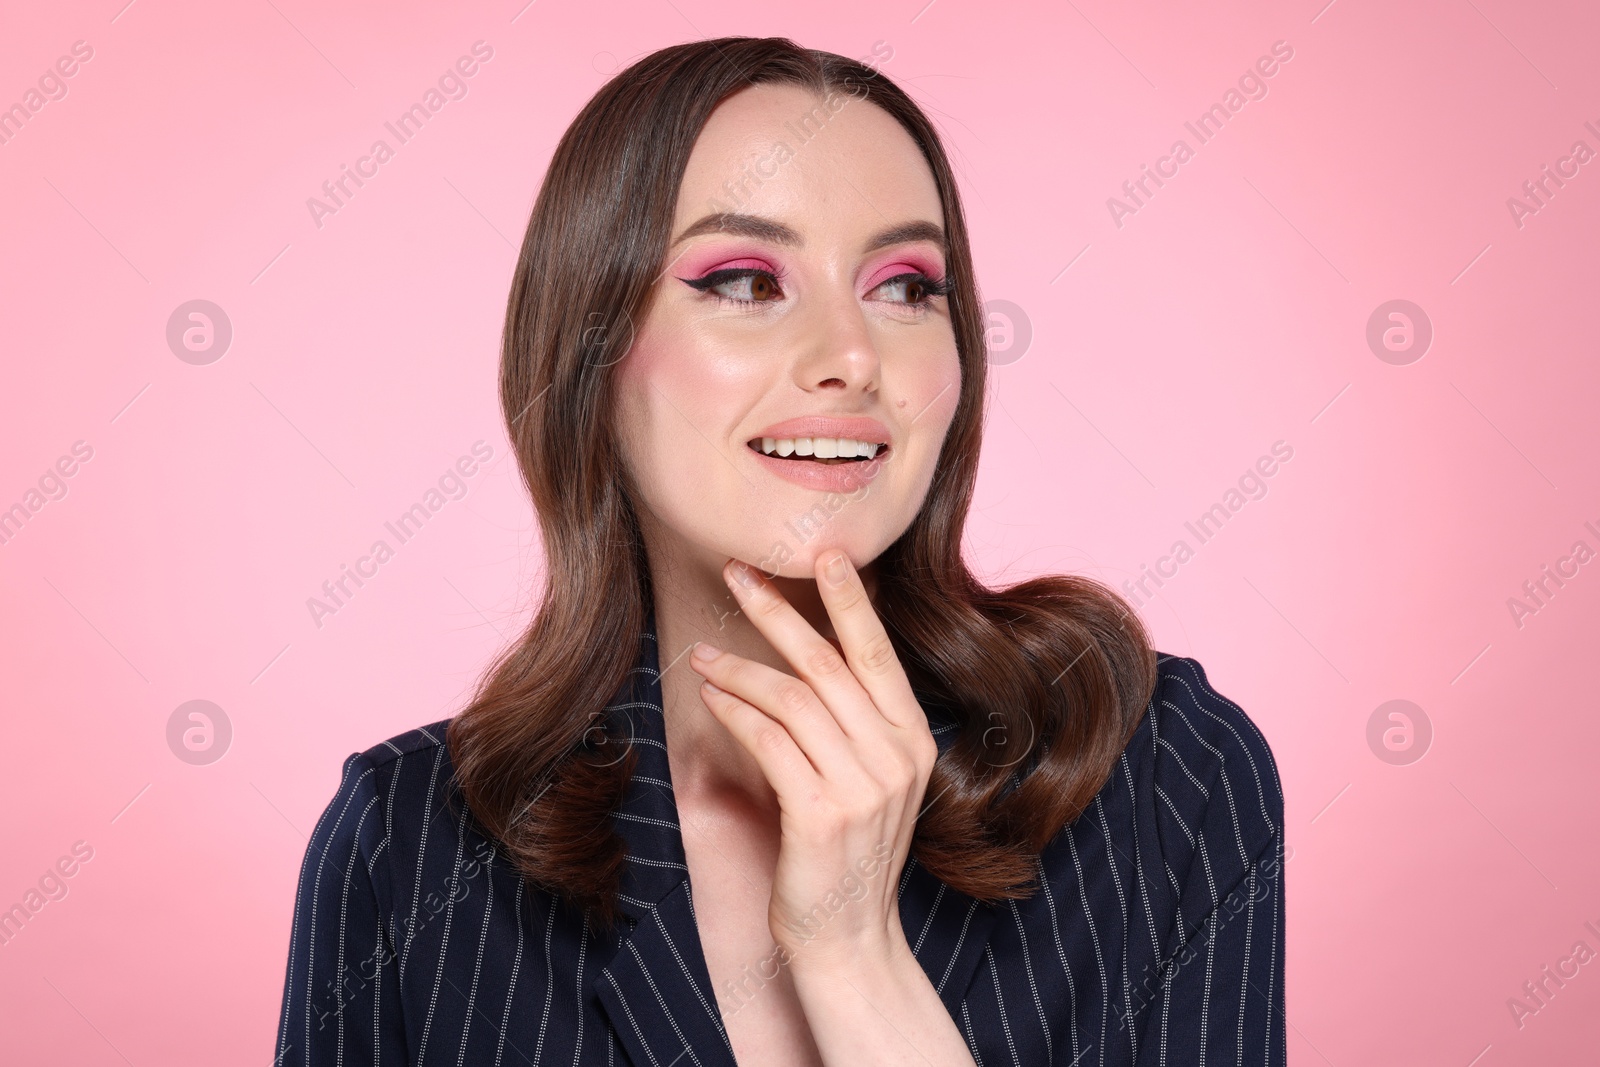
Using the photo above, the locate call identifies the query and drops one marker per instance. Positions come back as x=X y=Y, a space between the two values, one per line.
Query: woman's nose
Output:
x=838 y=348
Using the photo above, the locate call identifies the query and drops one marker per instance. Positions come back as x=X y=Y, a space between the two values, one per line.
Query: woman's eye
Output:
x=740 y=285
x=747 y=287
x=918 y=289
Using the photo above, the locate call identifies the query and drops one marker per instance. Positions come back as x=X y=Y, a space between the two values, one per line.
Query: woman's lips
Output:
x=856 y=427
x=828 y=476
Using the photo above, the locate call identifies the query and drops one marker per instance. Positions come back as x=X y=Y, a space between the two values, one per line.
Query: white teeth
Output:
x=821 y=447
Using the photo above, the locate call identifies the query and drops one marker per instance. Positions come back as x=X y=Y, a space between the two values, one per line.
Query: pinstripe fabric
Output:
x=1155 y=936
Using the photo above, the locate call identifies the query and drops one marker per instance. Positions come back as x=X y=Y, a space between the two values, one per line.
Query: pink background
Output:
x=1167 y=355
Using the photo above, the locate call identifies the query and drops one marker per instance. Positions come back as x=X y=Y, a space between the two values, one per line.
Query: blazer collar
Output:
x=655 y=987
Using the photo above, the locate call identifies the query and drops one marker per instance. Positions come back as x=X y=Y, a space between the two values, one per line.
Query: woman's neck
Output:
x=693 y=603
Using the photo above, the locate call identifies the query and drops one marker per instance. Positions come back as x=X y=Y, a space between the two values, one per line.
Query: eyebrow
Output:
x=764 y=229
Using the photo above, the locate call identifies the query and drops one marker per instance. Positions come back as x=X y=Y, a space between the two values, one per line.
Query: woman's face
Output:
x=813 y=314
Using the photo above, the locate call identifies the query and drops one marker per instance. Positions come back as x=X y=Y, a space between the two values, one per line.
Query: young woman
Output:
x=772 y=777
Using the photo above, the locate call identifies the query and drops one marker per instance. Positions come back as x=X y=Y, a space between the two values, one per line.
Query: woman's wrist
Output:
x=877 y=1005
x=821 y=962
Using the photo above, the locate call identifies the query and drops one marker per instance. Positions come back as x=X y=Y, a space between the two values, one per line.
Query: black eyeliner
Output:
x=727 y=274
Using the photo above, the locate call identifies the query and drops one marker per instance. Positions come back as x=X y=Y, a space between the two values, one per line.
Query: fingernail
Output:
x=746 y=575
x=835 y=569
x=704 y=652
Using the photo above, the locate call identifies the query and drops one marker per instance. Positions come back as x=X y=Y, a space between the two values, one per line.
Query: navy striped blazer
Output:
x=1155 y=936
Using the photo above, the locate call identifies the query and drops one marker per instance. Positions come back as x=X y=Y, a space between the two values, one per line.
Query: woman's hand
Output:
x=847 y=749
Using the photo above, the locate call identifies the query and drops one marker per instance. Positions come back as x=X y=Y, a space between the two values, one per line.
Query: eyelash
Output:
x=706 y=284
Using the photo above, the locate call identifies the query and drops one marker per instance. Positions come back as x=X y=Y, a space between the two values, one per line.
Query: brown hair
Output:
x=1058 y=661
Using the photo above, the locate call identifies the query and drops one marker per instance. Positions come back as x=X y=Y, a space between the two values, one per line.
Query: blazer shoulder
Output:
x=372 y=776
x=418 y=739
x=1209 y=754
x=408 y=774
x=401 y=797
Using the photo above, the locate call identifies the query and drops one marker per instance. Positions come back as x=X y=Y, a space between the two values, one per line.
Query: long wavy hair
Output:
x=1046 y=679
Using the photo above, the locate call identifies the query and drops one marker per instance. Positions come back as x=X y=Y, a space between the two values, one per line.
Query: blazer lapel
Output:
x=947 y=930
x=655 y=987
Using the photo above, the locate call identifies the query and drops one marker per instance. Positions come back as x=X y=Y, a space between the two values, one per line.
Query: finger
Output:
x=782 y=762
x=784 y=698
x=865 y=643
x=818 y=663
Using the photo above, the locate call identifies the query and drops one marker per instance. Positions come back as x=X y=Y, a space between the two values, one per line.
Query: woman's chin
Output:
x=802 y=564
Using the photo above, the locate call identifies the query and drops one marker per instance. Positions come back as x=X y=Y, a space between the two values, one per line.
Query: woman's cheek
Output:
x=935 y=389
x=656 y=422
x=694 y=404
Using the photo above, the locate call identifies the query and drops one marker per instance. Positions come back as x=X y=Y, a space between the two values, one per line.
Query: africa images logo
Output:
x=451 y=85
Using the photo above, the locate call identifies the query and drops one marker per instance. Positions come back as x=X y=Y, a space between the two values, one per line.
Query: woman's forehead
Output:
x=784 y=152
